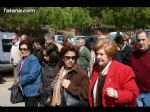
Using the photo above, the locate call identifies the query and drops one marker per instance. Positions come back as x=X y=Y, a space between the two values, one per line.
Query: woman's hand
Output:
x=65 y=83
x=112 y=93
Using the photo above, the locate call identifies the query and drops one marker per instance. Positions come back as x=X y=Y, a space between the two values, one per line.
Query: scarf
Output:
x=56 y=99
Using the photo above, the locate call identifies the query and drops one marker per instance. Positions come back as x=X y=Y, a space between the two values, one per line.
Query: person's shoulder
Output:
x=77 y=68
x=18 y=42
x=135 y=52
x=32 y=57
x=44 y=64
x=96 y=68
x=121 y=66
x=130 y=49
x=80 y=70
x=86 y=49
x=123 y=70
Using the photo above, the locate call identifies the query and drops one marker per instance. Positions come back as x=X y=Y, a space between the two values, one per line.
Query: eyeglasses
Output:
x=23 y=49
x=70 y=57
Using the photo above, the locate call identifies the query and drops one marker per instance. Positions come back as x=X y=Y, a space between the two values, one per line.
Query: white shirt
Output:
x=15 y=54
x=123 y=47
x=104 y=72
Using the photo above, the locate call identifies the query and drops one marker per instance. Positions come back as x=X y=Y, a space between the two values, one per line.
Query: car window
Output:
x=6 y=45
x=60 y=38
x=148 y=34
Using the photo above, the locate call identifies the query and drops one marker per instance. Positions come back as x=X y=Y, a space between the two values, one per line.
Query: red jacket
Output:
x=120 y=77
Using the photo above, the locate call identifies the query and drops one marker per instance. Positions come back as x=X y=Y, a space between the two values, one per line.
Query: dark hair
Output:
x=65 y=49
x=52 y=51
x=28 y=43
x=50 y=36
x=31 y=39
x=40 y=41
x=119 y=39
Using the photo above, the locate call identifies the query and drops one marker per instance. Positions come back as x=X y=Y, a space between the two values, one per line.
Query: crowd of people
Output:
x=111 y=73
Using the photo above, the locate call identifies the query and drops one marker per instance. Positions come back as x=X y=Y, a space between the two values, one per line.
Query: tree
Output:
x=75 y=17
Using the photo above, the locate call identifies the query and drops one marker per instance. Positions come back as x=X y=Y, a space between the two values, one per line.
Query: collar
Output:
x=16 y=43
x=123 y=47
x=105 y=70
x=81 y=48
x=75 y=68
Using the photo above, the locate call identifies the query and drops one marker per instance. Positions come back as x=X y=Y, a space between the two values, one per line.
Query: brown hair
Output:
x=126 y=37
x=28 y=43
x=109 y=46
x=65 y=49
x=68 y=47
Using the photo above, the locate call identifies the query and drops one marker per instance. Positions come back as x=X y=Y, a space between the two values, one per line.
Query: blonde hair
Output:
x=109 y=46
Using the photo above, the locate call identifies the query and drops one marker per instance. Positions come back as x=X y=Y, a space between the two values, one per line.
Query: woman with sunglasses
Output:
x=70 y=80
x=29 y=74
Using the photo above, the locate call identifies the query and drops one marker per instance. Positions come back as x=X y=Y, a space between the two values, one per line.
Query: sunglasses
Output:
x=70 y=57
x=23 y=49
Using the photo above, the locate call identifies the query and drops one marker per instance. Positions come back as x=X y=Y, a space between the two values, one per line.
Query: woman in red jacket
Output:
x=112 y=83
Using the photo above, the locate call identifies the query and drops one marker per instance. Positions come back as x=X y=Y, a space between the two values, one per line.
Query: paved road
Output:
x=5 y=94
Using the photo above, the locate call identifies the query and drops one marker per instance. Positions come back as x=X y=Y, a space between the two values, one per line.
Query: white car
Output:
x=74 y=40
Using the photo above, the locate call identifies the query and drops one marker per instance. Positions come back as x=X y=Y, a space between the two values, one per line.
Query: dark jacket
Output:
x=39 y=55
x=79 y=83
x=123 y=55
x=48 y=74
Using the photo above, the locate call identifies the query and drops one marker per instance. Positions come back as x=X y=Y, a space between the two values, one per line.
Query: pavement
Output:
x=5 y=94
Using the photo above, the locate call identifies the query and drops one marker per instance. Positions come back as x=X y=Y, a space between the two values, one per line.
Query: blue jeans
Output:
x=144 y=99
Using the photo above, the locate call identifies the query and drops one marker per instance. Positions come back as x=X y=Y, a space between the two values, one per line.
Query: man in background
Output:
x=101 y=35
x=84 y=55
x=50 y=38
x=15 y=56
x=23 y=37
x=123 y=50
x=140 y=62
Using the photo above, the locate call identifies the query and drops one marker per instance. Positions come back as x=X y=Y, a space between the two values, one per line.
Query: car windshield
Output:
x=113 y=35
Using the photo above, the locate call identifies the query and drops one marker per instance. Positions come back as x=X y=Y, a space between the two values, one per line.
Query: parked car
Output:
x=59 y=39
x=113 y=35
x=74 y=39
x=5 y=47
x=89 y=39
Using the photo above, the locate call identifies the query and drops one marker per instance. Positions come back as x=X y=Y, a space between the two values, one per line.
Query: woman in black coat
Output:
x=49 y=70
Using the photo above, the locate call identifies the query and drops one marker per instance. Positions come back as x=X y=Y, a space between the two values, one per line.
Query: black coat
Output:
x=48 y=74
x=123 y=55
